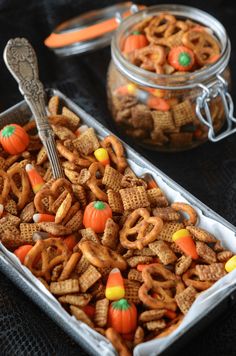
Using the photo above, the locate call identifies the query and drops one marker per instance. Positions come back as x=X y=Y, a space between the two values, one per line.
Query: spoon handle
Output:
x=21 y=60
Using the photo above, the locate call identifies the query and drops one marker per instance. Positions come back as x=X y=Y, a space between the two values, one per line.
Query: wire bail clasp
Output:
x=217 y=88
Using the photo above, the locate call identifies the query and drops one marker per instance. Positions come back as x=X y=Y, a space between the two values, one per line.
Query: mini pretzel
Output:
x=196 y=283
x=6 y=186
x=94 y=182
x=118 y=342
x=40 y=249
x=151 y=57
x=21 y=193
x=116 y=152
x=158 y=269
x=131 y=227
x=72 y=156
x=158 y=26
x=163 y=300
x=188 y=209
x=102 y=256
x=52 y=194
x=204 y=45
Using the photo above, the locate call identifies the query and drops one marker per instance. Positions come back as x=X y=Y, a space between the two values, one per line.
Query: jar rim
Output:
x=179 y=81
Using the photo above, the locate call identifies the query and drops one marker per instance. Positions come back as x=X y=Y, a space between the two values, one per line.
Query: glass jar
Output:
x=200 y=107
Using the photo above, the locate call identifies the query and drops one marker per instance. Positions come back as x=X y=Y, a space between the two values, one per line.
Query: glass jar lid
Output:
x=89 y=31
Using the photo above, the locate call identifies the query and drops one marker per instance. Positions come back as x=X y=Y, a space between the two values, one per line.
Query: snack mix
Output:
x=107 y=244
x=160 y=118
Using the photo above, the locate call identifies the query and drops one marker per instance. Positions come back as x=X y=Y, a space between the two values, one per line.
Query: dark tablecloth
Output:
x=208 y=172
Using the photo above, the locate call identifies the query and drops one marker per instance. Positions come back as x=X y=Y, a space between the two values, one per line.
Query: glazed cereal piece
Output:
x=155 y=324
x=135 y=260
x=131 y=291
x=80 y=194
x=185 y=299
x=53 y=105
x=183 y=263
x=138 y=336
x=89 y=234
x=212 y=272
x=118 y=342
x=98 y=291
x=201 y=234
x=27 y=213
x=42 y=156
x=115 y=201
x=168 y=230
x=65 y=287
x=79 y=300
x=135 y=275
x=71 y=212
x=11 y=207
x=163 y=120
x=89 y=278
x=87 y=142
x=130 y=182
x=54 y=229
x=73 y=119
x=14 y=220
x=224 y=256
x=75 y=223
x=134 y=198
x=156 y=198
x=151 y=315
x=112 y=178
x=81 y=315
x=167 y=214
x=63 y=133
x=183 y=113
x=146 y=251
x=111 y=233
x=82 y=265
x=7 y=240
x=205 y=252
x=164 y=253
x=27 y=230
x=84 y=176
x=101 y=312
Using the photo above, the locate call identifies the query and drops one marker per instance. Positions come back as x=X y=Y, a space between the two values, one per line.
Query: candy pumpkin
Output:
x=96 y=215
x=14 y=139
x=181 y=58
x=123 y=316
x=135 y=41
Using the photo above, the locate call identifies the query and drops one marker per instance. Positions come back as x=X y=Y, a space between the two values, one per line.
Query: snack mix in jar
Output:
x=108 y=244
x=159 y=59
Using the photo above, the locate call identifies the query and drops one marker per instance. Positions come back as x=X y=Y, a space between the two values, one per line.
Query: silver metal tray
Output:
x=90 y=340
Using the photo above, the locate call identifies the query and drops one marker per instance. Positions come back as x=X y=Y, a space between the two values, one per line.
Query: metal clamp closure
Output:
x=217 y=88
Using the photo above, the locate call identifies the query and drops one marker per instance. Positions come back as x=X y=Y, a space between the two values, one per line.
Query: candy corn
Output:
x=150 y=180
x=115 y=285
x=35 y=178
x=230 y=264
x=81 y=130
x=102 y=156
x=184 y=240
x=1 y=210
x=144 y=97
x=43 y=218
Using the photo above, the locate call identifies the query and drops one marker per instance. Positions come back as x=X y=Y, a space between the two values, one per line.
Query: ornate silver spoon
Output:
x=21 y=60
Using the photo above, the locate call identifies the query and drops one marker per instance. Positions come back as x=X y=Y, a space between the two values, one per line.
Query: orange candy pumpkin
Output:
x=123 y=316
x=134 y=41
x=14 y=139
x=96 y=215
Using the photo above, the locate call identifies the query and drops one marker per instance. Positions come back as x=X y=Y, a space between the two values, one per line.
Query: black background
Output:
x=208 y=172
